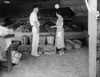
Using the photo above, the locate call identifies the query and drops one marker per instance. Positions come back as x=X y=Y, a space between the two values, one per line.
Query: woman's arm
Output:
x=53 y=26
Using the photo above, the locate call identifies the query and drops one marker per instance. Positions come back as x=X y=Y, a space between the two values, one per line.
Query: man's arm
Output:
x=37 y=23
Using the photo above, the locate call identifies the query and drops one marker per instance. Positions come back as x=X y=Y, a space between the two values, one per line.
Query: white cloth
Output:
x=35 y=43
x=4 y=43
x=8 y=42
x=3 y=31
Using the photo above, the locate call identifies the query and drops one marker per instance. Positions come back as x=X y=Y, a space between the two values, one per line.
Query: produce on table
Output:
x=19 y=29
x=23 y=25
x=67 y=28
x=24 y=28
x=17 y=23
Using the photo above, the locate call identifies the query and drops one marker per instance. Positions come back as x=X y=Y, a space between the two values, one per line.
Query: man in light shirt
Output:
x=35 y=31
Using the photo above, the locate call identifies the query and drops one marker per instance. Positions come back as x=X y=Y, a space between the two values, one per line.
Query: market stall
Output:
x=23 y=34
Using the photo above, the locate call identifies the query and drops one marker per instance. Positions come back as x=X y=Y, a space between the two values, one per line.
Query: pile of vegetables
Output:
x=14 y=46
x=24 y=28
x=21 y=25
x=25 y=48
x=72 y=44
x=77 y=44
x=49 y=48
x=69 y=44
x=17 y=23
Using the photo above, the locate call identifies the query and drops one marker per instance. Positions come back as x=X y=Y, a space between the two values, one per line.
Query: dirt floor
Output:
x=73 y=63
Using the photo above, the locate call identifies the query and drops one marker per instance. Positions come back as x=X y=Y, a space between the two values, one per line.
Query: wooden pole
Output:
x=9 y=61
x=92 y=31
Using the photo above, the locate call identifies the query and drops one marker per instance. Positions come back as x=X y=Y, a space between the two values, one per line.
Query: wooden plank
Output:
x=92 y=31
x=9 y=61
x=74 y=35
x=48 y=17
x=68 y=35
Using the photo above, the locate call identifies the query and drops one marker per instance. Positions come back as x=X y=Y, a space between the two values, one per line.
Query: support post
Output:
x=92 y=31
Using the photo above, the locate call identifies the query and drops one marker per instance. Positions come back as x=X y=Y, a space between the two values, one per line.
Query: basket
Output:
x=15 y=56
x=42 y=40
x=25 y=39
x=77 y=44
x=50 y=39
x=69 y=44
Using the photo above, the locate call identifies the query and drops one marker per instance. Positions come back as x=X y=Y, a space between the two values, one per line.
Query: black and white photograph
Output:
x=49 y=38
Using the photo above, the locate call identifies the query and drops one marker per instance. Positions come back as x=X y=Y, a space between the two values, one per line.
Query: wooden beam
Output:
x=73 y=5
x=9 y=61
x=92 y=31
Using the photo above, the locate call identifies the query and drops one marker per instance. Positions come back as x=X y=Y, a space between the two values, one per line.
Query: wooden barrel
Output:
x=50 y=39
x=25 y=40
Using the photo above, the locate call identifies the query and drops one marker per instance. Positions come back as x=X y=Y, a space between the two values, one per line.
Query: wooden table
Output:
x=68 y=35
